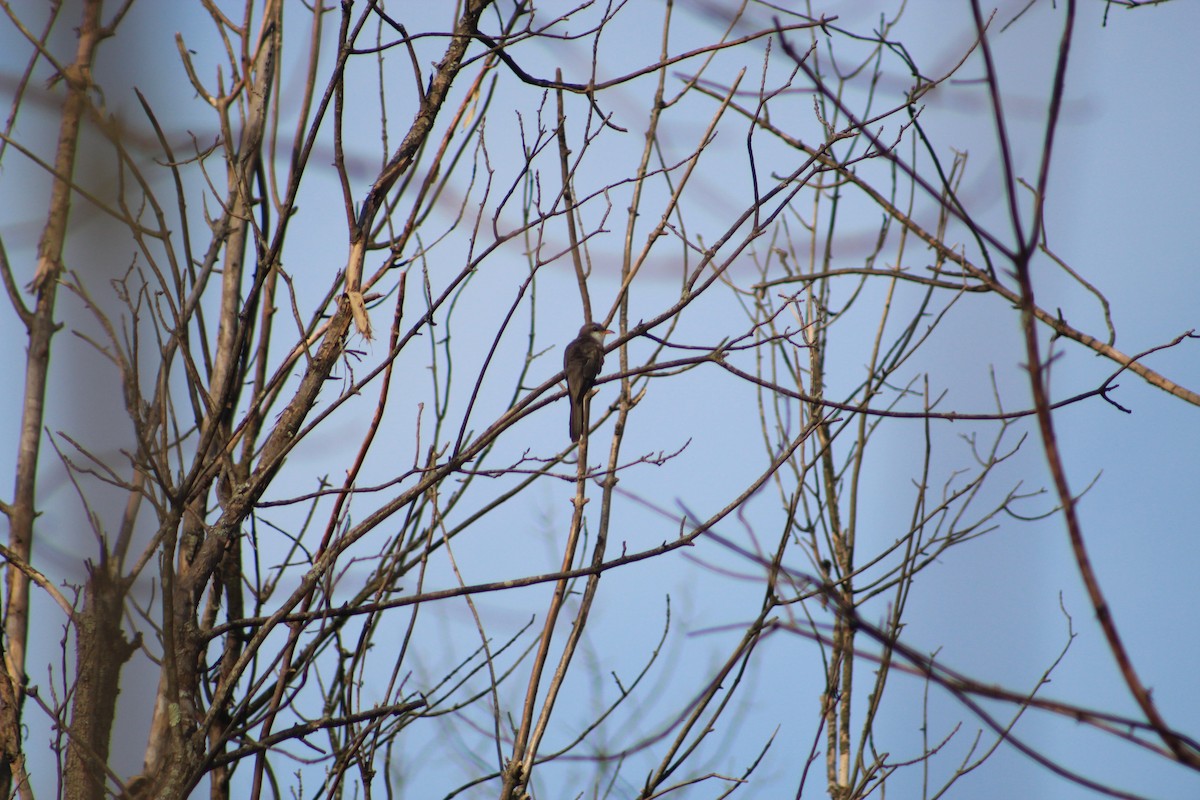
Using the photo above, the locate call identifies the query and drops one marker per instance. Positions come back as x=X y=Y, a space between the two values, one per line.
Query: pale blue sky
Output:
x=1122 y=209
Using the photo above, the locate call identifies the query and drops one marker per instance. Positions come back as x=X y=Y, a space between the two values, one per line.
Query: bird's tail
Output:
x=577 y=419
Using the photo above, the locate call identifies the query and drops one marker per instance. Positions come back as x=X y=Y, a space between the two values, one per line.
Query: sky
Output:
x=1122 y=209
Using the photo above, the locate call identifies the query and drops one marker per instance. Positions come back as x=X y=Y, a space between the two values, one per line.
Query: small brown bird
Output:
x=581 y=362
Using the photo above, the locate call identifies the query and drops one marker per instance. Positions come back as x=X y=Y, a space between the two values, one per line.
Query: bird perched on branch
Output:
x=581 y=362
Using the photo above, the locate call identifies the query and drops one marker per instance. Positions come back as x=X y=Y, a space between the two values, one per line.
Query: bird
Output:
x=581 y=362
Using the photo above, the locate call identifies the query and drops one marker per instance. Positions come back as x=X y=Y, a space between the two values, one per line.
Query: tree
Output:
x=302 y=550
